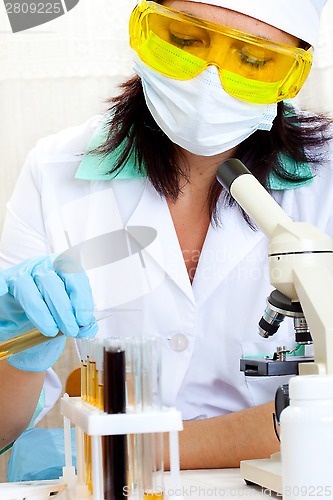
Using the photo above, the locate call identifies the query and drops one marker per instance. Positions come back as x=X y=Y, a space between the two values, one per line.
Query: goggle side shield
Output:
x=181 y=46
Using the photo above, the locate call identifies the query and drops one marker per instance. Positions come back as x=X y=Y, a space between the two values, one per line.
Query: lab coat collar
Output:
x=96 y=168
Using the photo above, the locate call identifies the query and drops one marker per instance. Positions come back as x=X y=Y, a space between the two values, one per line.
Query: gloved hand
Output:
x=31 y=459
x=50 y=294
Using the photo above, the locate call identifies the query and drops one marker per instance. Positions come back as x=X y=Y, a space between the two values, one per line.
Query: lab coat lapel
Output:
x=224 y=248
x=153 y=211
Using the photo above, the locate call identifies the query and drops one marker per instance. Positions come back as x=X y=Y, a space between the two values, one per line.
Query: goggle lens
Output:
x=181 y=47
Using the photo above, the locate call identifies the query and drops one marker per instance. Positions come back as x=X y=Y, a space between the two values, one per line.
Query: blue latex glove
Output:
x=3 y=286
x=50 y=294
x=39 y=454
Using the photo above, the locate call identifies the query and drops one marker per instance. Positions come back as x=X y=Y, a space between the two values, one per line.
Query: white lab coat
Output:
x=207 y=327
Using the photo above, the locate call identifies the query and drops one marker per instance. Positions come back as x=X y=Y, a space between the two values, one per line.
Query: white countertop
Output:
x=194 y=485
x=218 y=483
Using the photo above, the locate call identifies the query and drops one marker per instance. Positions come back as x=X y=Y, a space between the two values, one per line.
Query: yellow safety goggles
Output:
x=181 y=46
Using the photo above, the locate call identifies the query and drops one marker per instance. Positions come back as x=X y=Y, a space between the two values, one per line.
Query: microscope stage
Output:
x=265 y=367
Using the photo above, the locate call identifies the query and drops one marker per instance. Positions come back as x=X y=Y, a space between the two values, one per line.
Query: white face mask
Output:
x=198 y=114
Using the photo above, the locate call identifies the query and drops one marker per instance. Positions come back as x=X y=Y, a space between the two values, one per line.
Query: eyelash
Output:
x=255 y=62
x=182 y=42
x=190 y=42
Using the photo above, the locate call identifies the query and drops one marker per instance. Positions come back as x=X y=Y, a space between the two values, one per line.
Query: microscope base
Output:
x=266 y=472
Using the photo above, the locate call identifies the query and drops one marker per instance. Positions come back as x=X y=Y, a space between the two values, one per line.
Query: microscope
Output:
x=300 y=266
x=278 y=307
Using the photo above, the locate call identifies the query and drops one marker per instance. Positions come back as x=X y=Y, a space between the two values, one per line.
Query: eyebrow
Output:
x=259 y=36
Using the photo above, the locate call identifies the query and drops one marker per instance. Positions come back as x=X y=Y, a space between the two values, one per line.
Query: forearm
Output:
x=19 y=393
x=224 y=441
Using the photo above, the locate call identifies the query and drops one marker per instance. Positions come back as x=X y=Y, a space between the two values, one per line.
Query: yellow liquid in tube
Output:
x=101 y=397
x=153 y=496
x=93 y=401
x=85 y=366
x=94 y=395
x=87 y=440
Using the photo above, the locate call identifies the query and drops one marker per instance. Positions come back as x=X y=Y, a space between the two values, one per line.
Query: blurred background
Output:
x=61 y=73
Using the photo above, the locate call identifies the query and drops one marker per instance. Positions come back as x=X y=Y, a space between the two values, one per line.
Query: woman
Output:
x=211 y=83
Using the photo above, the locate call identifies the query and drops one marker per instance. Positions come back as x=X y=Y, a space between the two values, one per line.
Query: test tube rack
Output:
x=96 y=423
x=33 y=490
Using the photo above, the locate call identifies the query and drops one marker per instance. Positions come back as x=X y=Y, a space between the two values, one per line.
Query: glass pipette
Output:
x=34 y=337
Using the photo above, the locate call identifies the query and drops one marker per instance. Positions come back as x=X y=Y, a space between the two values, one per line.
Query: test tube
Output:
x=87 y=441
x=152 y=444
x=100 y=374
x=91 y=399
x=146 y=450
x=84 y=369
x=115 y=451
x=93 y=373
x=92 y=351
x=134 y=404
x=88 y=370
x=80 y=436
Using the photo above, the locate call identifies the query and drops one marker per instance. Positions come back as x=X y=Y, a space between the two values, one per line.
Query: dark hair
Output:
x=131 y=125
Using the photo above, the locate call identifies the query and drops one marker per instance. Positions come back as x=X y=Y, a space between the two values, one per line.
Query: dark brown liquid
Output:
x=115 y=447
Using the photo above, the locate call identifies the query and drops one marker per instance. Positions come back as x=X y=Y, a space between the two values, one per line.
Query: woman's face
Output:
x=232 y=19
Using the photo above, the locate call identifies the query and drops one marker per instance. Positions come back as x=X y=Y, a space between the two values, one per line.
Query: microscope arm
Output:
x=252 y=197
x=314 y=287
